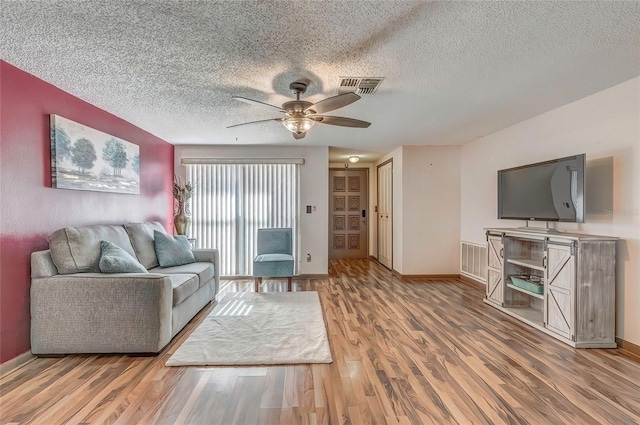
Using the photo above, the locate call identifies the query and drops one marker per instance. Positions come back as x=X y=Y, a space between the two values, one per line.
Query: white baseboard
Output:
x=470 y=276
x=16 y=363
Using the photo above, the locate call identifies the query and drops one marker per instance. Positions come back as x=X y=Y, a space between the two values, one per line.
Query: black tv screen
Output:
x=546 y=191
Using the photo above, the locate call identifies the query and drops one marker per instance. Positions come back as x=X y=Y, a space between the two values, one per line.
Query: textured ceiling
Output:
x=453 y=71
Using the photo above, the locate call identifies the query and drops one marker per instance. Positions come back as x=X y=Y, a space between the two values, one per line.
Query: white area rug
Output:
x=248 y=328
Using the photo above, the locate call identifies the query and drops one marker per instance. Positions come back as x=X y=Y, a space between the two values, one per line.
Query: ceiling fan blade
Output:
x=299 y=136
x=257 y=103
x=255 y=122
x=335 y=102
x=341 y=121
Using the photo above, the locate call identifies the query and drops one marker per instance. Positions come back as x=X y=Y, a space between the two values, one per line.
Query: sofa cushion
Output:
x=184 y=285
x=77 y=249
x=42 y=264
x=141 y=235
x=172 y=250
x=114 y=259
x=204 y=271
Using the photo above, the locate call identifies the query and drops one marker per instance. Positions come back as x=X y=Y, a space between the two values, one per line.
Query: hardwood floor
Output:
x=405 y=352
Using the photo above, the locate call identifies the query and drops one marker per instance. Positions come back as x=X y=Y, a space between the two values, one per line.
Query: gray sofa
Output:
x=77 y=309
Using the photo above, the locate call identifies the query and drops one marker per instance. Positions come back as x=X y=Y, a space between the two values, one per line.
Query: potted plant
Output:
x=182 y=191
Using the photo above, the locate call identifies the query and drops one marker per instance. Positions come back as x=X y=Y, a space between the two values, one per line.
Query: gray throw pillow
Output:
x=172 y=250
x=114 y=259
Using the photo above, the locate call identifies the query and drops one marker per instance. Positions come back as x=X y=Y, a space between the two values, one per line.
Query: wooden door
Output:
x=348 y=213
x=560 y=296
x=384 y=215
x=495 y=270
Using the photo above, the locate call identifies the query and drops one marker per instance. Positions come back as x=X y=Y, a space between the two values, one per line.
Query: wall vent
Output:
x=359 y=85
x=473 y=262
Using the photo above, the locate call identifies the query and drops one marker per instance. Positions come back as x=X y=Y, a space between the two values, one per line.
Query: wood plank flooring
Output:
x=405 y=352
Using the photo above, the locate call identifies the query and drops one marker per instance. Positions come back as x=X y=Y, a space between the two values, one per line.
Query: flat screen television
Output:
x=546 y=191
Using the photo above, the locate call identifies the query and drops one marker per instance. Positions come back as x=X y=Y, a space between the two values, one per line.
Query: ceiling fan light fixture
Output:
x=298 y=124
x=353 y=159
x=300 y=115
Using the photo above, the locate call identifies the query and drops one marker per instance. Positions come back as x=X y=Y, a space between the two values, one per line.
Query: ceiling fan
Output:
x=300 y=116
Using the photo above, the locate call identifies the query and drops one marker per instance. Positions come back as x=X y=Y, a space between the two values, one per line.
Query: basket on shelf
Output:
x=531 y=283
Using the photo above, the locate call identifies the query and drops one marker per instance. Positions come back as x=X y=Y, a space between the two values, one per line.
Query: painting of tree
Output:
x=135 y=164
x=83 y=155
x=62 y=145
x=115 y=154
x=83 y=158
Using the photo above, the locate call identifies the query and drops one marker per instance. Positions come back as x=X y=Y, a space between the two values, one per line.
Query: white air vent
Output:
x=359 y=85
x=474 y=261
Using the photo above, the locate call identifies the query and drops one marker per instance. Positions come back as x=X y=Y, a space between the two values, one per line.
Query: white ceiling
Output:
x=453 y=71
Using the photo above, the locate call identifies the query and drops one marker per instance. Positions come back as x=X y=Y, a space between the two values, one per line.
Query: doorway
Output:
x=348 y=213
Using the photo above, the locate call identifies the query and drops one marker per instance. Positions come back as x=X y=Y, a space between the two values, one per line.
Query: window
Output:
x=232 y=201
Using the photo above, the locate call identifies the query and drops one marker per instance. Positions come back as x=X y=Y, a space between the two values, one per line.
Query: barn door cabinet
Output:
x=560 y=283
x=495 y=255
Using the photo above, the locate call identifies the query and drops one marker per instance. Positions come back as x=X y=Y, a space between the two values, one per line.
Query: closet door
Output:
x=385 y=216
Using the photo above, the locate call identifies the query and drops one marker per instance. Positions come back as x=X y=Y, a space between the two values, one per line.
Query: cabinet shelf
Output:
x=532 y=263
x=528 y=315
x=524 y=291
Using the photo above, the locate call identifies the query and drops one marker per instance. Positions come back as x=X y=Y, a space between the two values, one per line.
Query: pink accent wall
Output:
x=30 y=208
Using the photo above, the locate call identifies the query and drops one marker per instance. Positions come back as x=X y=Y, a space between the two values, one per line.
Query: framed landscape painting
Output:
x=83 y=158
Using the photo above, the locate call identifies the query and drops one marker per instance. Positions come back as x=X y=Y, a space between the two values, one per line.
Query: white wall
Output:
x=605 y=126
x=431 y=210
x=426 y=209
x=314 y=190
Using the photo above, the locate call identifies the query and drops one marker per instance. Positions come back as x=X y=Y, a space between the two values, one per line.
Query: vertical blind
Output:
x=231 y=202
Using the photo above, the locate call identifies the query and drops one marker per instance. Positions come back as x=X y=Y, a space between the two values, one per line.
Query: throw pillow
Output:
x=114 y=259
x=172 y=250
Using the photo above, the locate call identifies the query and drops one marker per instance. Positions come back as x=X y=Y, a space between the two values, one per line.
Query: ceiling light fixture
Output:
x=300 y=116
x=353 y=159
x=298 y=125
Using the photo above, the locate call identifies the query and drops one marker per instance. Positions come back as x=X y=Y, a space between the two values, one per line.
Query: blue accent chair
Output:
x=275 y=256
